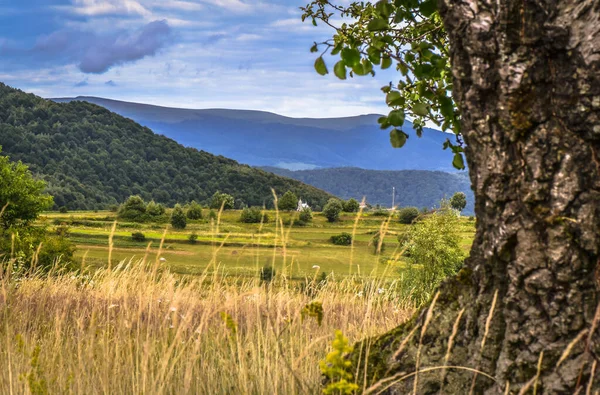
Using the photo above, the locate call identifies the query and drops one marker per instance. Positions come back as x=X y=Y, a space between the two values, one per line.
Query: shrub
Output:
x=193 y=238
x=56 y=249
x=380 y=211
x=433 y=245
x=253 y=215
x=134 y=209
x=222 y=200
x=267 y=274
x=63 y=209
x=343 y=239
x=154 y=209
x=178 y=219
x=194 y=210
x=138 y=236
x=288 y=202
x=306 y=215
x=407 y=215
x=351 y=206
x=332 y=210
x=471 y=218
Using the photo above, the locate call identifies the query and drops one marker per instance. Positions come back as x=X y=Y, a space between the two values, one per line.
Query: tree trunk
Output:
x=522 y=311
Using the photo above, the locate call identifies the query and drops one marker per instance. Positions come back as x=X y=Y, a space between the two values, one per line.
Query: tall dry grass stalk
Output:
x=139 y=329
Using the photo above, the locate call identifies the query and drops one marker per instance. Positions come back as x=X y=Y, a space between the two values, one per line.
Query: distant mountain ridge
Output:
x=419 y=188
x=92 y=158
x=265 y=139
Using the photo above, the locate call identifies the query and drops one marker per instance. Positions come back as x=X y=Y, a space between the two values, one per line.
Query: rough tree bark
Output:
x=527 y=81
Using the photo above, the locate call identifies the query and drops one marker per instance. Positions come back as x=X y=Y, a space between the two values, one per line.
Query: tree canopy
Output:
x=408 y=35
x=22 y=197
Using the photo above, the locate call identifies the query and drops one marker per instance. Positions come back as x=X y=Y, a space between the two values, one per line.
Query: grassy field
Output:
x=237 y=249
x=201 y=321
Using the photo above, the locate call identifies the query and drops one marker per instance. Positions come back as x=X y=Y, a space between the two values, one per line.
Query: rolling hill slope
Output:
x=92 y=158
x=420 y=188
x=265 y=139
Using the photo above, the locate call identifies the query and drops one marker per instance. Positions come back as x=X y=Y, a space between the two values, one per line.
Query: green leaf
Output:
x=386 y=62
x=458 y=161
x=336 y=50
x=396 y=118
x=384 y=8
x=314 y=48
x=350 y=56
x=394 y=98
x=403 y=68
x=359 y=69
x=320 y=66
x=374 y=55
x=446 y=107
x=398 y=138
x=378 y=24
x=340 y=70
x=420 y=109
x=428 y=7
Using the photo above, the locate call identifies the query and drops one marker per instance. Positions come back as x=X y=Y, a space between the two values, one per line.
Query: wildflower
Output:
x=380 y=290
x=360 y=294
x=112 y=306
x=173 y=309
x=162 y=259
x=316 y=267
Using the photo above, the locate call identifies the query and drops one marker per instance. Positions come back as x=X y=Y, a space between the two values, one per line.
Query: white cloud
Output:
x=105 y=7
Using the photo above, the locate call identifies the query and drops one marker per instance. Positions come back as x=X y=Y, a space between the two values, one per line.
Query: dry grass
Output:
x=138 y=329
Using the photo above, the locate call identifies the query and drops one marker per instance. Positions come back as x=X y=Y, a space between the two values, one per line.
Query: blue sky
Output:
x=247 y=54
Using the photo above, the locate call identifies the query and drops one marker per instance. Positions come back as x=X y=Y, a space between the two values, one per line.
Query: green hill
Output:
x=92 y=158
x=420 y=188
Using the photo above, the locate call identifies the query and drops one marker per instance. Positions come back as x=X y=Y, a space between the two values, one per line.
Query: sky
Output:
x=241 y=54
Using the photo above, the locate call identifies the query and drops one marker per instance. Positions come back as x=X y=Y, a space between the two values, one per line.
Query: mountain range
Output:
x=92 y=158
x=264 y=139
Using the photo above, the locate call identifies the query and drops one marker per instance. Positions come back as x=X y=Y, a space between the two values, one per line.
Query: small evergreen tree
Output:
x=351 y=206
x=332 y=210
x=194 y=210
x=178 y=218
x=288 y=202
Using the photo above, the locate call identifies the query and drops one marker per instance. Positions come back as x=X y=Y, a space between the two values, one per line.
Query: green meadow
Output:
x=233 y=248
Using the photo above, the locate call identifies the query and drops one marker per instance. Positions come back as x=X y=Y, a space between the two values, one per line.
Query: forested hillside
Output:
x=420 y=188
x=92 y=158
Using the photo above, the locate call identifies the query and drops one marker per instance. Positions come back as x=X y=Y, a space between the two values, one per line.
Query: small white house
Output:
x=302 y=205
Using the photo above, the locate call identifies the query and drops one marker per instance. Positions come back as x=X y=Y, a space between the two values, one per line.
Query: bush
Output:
x=433 y=245
x=288 y=202
x=178 y=218
x=267 y=274
x=56 y=249
x=471 y=218
x=306 y=215
x=407 y=215
x=332 y=210
x=253 y=215
x=138 y=236
x=222 y=200
x=343 y=239
x=63 y=210
x=154 y=209
x=351 y=206
x=193 y=238
x=194 y=211
x=134 y=209
x=212 y=215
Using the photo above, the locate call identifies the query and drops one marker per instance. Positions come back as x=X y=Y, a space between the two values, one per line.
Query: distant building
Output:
x=302 y=205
